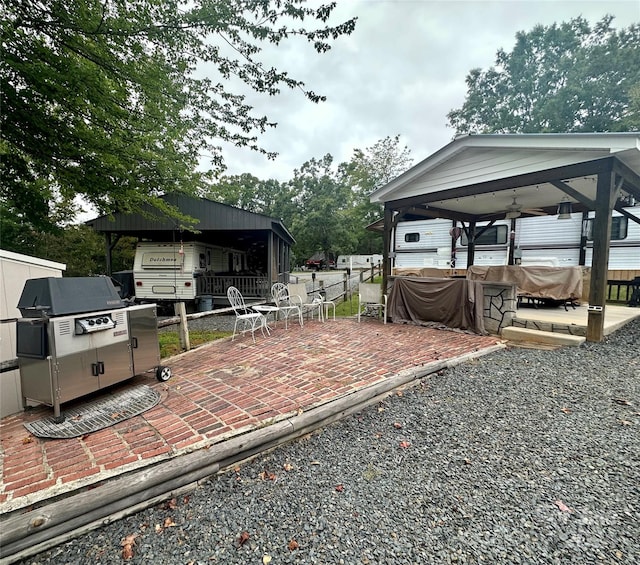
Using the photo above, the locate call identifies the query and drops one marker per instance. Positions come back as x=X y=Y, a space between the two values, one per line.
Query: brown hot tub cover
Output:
x=456 y=303
x=553 y=283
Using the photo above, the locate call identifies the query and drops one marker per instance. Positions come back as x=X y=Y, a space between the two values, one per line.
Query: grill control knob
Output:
x=91 y=322
x=105 y=320
x=99 y=321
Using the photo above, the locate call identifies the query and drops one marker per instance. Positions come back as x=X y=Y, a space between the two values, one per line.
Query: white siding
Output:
x=481 y=165
x=15 y=270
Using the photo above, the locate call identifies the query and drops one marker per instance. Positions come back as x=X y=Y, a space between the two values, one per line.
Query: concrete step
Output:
x=538 y=336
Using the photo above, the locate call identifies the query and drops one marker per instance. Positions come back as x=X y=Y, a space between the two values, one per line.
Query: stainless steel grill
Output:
x=77 y=336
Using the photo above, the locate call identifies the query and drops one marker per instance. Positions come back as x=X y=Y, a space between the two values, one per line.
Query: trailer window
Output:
x=494 y=235
x=618 y=228
x=412 y=237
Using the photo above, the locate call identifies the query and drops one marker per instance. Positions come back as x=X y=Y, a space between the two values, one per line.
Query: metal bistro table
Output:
x=265 y=310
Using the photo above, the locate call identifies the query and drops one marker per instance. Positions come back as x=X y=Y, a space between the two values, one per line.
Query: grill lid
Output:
x=55 y=296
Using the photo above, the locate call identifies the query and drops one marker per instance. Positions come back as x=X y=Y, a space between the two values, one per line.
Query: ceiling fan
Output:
x=515 y=210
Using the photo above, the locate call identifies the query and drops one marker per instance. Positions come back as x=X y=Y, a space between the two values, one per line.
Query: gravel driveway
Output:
x=523 y=456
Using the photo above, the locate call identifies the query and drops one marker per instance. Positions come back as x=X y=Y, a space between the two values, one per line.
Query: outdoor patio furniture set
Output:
x=292 y=300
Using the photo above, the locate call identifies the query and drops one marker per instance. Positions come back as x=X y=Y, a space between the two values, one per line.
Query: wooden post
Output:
x=183 y=328
x=582 y=258
x=471 y=247
x=599 y=263
x=512 y=242
x=107 y=252
x=386 y=245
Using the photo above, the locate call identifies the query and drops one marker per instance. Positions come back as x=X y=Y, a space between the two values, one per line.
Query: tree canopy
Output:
x=117 y=102
x=568 y=77
x=325 y=205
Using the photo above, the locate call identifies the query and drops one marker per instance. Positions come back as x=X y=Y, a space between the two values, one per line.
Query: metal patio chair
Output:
x=371 y=300
x=298 y=295
x=251 y=321
x=280 y=296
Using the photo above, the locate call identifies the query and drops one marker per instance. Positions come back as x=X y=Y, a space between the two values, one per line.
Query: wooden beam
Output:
x=587 y=168
x=629 y=215
x=569 y=190
x=434 y=212
x=631 y=178
x=600 y=261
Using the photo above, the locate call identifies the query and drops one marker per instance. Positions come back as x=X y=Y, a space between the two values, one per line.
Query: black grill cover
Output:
x=53 y=296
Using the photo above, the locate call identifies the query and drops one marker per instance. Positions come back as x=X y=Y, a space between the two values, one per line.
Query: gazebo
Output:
x=474 y=178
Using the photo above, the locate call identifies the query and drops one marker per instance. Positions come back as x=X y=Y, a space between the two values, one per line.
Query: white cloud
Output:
x=400 y=72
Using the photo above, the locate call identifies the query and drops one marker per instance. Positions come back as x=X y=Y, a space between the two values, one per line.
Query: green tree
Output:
x=81 y=249
x=368 y=170
x=568 y=77
x=248 y=192
x=118 y=101
x=322 y=203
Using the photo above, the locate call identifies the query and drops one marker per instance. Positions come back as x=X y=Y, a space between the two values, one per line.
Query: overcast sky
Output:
x=400 y=72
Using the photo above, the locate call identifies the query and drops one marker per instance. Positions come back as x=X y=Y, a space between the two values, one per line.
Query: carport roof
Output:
x=477 y=177
x=211 y=216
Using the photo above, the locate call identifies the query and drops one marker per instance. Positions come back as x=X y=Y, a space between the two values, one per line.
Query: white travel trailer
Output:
x=538 y=240
x=358 y=261
x=168 y=271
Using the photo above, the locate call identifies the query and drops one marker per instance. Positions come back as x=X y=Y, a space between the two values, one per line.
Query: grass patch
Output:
x=170 y=341
x=349 y=307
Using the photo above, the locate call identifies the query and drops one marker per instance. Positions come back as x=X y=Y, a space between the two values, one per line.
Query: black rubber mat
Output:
x=97 y=414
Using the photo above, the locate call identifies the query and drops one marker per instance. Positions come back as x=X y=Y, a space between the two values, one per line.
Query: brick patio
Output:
x=221 y=390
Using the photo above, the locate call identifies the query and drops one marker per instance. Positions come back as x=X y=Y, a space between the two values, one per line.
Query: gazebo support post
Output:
x=386 y=246
x=605 y=200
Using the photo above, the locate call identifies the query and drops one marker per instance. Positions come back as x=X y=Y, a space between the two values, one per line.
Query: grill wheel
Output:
x=163 y=373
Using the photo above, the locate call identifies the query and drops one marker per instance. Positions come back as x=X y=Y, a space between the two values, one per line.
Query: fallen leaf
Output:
x=625 y=423
x=562 y=506
x=300 y=411
x=404 y=444
x=27 y=440
x=566 y=410
x=267 y=475
x=171 y=504
x=467 y=461
x=127 y=544
x=127 y=552
x=244 y=536
x=115 y=415
x=380 y=408
x=315 y=463
x=293 y=545
x=266 y=559
x=158 y=528
x=129 y=540
x=186 y=499
x=168 y=522
x=397 y=425
x=400 y=393
x=339 y=488
x=288 y=467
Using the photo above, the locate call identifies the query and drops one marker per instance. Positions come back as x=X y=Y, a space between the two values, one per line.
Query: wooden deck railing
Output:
x=249 y=286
